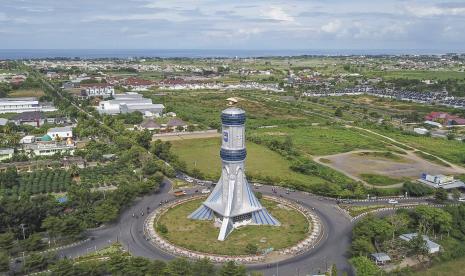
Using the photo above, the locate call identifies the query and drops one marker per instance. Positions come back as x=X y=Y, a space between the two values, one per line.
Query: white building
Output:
x=6 y=153
x=29 y=139
x=61 y=132
x=98 y=90
x=47 y=149
x=128 y=103
x=432 y=246
x=20 y=105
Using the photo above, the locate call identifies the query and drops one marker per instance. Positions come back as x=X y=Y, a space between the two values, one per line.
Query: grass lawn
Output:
x=357 y=210
x=323 y=140
x=27 y=93
x=202 y=235
x=379 y=180
x=455 y=267
x=262 y=164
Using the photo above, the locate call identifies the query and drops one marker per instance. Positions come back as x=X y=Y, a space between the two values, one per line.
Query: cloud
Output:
x=436 y=10
x=277 y=13
x=332 y=27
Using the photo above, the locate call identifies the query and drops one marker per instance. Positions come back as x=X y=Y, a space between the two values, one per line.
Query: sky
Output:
x=227 y=24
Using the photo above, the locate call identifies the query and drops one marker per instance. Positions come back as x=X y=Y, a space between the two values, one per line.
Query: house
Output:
x=32 y=118
x=432 y=246
x=129 y=102
x=23 y=104
x=150 y=124
x=103 y=90
x=380 y=258
x=6 y=153
x=60 y=132
x=29 y=139
x=3 y=122
x=137 y=84
x=176 y=124
x=47 y=149
x=420 y=130
x=445 y=119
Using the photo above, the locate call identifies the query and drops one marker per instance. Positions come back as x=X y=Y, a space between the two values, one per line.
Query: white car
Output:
x=393 y=201
x=190 y=180
x=461 y=199
x=205 y=191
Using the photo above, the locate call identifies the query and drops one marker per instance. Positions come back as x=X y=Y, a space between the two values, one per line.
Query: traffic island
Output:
x=170 y=229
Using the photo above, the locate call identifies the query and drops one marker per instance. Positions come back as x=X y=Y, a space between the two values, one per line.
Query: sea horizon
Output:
x=12 y=54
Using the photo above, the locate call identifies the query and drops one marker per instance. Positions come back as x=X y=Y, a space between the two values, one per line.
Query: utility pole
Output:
x=22 y=227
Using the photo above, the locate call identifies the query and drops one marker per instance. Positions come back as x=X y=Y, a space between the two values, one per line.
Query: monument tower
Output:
x=232 y=202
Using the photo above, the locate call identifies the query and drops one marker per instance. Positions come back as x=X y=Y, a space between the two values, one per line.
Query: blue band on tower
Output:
x=232 y=119
x=233 y=155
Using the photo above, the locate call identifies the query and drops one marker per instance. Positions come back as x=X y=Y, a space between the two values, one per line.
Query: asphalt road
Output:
x=128 y=230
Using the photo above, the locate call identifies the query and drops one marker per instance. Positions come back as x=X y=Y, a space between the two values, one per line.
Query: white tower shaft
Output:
x=232 y=200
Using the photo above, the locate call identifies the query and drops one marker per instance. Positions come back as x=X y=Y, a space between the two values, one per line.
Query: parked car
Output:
x=461 y=199
x=205 y=191
x=393 y=201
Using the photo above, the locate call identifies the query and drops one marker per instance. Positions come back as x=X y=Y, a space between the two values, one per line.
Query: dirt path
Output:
x=185 y=135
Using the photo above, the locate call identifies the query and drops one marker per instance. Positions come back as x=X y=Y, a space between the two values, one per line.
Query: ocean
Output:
x=11 y=54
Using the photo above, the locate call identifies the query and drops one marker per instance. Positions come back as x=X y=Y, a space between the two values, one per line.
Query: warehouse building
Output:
x=130 y=102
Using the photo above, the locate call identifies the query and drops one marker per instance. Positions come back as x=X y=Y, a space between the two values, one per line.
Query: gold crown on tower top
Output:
x=232 y=101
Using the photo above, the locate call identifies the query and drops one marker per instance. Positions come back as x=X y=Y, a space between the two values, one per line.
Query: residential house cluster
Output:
x=445 y=119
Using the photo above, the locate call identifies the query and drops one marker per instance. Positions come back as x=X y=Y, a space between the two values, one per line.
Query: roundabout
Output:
x=169 y=229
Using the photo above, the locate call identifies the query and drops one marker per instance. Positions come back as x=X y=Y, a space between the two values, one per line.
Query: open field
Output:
x=27 y=93
x=418 y=74
x=378 y=170
x=455 y=267
x=323 y=140
x=261 y=163
x=202 y=235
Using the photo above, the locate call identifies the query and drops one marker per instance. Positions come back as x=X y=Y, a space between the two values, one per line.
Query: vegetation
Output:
x=202 y=235
x=379 y=180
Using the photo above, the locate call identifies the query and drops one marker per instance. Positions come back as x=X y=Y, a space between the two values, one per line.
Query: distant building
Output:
x=432 y=246
x=47 y=149
x=445 y=119
x=29 y=139
x=128 y=103
x=420 y=130
x=103 y=90
x=36 y=119
x=150 y=124
x=137 y=84
x=176 y=124
x=60 y=132
x=3 y=122
x=24 y=104
x=6 y=153
x=380 y=258
x=441 y=181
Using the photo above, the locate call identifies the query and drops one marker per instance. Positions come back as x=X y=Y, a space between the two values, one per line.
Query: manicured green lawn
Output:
x=262 y=164
x=202 y=235
x=379 y=180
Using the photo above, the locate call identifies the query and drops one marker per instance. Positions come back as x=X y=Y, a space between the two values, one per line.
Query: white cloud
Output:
x=427 y=11
x=136 y=17
x=277 y=13
x=332 y=27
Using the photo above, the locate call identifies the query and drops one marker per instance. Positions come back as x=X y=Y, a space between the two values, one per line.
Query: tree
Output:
x=106 y=212
x=338 y=112
x=334 y=270
x=398 y=222
x=144 y=138
x=53 y=225
x=157 y=268
x=232 y=269
x=179 y=267
x=4 y=262
x=361 y=247
x=418 y=246
x=162 y=229
x=456 y=194
x=365 y=267
x=6 y=241
x=32 y=243
x=203 y=267
x=441 y=195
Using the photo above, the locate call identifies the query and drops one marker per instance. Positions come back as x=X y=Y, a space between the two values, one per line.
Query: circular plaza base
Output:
x=170 y=229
